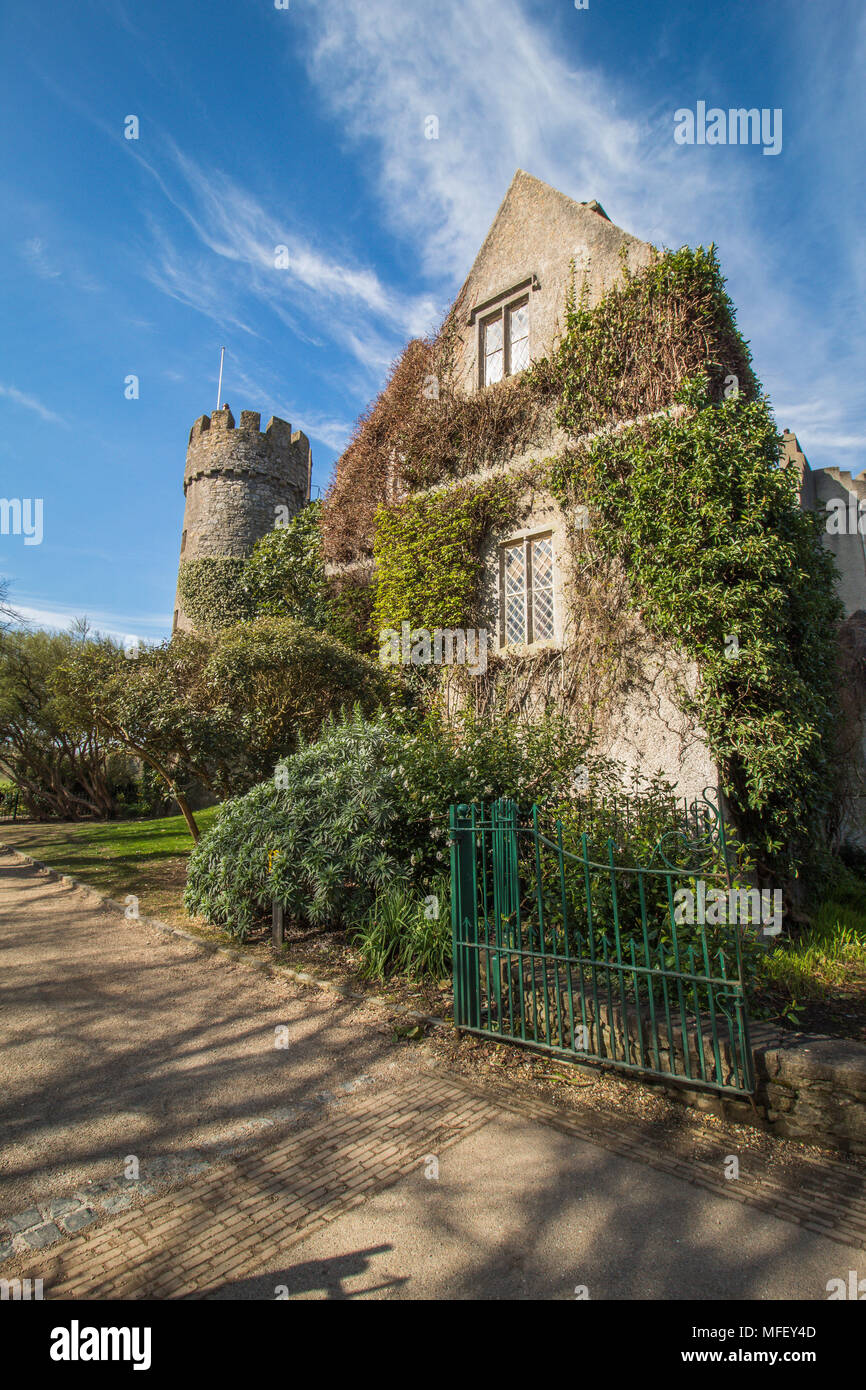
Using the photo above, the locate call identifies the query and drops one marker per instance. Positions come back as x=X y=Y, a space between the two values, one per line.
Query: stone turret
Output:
x=236 y=480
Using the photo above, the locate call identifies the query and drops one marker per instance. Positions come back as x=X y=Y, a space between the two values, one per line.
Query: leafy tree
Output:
x=218 y=710
x=155 y=704
x=7 y=612
x=51 y=747
x=285 y=575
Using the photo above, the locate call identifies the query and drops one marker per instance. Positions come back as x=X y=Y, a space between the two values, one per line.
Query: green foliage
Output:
x=652 y=331
x=428 y=555
x=284 y=576
x=362 y=809
x=824 y=957
x=220 y=710
x=50 y=744
x=212 y=593
x=351 y=602
x=425 y=429
x=706 y=521
x=407 y=934
x=278 y=681
x=643 y=827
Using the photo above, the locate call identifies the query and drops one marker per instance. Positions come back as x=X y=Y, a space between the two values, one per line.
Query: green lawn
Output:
x=815 y=977
x=144 y=857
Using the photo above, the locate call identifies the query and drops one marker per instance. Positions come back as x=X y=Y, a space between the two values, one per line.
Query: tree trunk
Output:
x=187 y=814
x=178 y=795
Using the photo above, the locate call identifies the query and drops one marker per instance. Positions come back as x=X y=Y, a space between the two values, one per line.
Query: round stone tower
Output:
x=240 y=481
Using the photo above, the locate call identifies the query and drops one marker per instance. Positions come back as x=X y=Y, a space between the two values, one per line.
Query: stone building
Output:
x=239 y=481
x=509 y=313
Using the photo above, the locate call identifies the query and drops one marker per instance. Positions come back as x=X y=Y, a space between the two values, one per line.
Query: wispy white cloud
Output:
x=823 y=424
x=51 y=261
x=504 y=96
x=27 y=402
x=265 y=389
x=195 y=283
x=507 y=97
x=251 y=256
x=36 y=254
x=59 y=617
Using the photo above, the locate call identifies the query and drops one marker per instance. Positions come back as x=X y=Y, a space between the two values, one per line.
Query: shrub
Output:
x=363 y=809
x=405 y=933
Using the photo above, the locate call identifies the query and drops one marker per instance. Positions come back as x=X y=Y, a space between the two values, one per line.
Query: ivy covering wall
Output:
x=212 y=594
x=697 y=508
x=655 y=330
x=725 y=568
x=428 y=554
x=283 y=577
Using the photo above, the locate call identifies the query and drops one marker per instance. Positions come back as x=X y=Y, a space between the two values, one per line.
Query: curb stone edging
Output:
x=810 y=1087
x=270 y=968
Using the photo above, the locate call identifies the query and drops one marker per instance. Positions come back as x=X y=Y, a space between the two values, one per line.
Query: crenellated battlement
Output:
x=222 y=420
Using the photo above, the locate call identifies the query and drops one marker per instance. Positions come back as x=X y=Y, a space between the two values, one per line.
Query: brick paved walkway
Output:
x=223 y=1226
x=248 y=1214
x=117 y=1042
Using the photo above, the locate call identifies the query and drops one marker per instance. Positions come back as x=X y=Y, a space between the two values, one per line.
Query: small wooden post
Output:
x=277 y=925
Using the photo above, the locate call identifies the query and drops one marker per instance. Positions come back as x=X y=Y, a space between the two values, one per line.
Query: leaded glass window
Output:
x=493 y=351
x=504 y=342
x=541 y=569
x=528 y=612
x=514 y=585
x=518 y=337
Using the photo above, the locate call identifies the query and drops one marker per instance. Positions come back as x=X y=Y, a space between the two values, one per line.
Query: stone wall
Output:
x=641 y=724
x=810 y=1088
x=535 y=235
x=848 y=547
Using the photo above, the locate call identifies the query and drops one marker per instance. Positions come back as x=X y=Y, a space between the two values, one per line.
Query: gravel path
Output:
x=118 y=1040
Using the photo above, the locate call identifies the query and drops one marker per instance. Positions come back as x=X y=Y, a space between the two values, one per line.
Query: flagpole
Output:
x=220 y=386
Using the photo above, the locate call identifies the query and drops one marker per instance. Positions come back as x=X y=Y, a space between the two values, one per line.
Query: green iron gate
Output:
x=584 y=958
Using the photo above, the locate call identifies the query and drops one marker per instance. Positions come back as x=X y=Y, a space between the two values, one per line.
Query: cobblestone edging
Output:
x=809 y=1087
x=45 y=1223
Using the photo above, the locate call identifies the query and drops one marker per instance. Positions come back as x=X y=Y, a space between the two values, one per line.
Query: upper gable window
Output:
x=504 y=345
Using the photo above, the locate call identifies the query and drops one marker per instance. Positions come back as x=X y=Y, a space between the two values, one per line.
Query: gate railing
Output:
x=578 y=955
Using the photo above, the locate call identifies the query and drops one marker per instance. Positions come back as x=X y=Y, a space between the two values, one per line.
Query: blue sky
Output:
x=304 y=127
